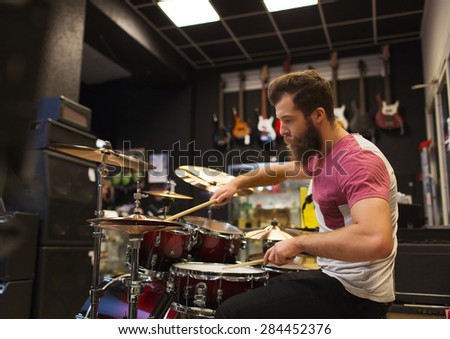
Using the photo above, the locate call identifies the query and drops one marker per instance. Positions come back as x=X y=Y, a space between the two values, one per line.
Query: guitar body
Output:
x=241 y=130
x=361 y=123
x=265 y=127
x=387 y=116
x=222 y=135
x=340 y=117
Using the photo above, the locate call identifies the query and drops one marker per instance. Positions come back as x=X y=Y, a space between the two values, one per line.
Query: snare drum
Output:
x=201 y=287
x=215 y=241
x=113 y=302
x=159 y=250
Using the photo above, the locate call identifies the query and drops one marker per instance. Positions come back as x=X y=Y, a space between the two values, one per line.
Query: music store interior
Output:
x=120 y=121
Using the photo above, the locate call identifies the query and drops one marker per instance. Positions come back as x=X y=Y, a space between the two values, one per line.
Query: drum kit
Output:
x=180 y=265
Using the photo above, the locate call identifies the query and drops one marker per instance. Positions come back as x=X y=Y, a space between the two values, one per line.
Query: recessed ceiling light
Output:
x=281 y=5
x=189 y=12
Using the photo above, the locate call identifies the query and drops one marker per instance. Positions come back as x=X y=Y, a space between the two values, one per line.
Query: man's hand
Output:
x=224 y=194
x=283 y=252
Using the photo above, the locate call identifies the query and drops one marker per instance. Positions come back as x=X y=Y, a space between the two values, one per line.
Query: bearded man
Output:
x=355 y=197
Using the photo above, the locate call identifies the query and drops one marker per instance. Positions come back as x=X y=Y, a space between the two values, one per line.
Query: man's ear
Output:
x=319 y=115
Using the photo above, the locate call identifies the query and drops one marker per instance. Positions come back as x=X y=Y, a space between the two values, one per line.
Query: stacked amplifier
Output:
x=62 y=190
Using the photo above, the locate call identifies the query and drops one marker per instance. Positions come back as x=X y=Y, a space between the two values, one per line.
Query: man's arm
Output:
x=264 y=176
x=368 y=238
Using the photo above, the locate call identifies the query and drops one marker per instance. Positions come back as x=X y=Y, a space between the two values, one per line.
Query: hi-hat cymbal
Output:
x=207 y=178
x=268 y=233
x=168 y=194
x=135 y=224
x=106 y=155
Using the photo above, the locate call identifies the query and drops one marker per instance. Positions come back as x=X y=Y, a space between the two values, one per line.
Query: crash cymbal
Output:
x=106 y=155
x=168 y=194
x=268 y=233
x=135 y=224
x=207 y=178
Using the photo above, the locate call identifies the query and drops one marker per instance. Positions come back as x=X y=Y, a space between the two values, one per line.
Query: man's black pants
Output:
x=300 y=295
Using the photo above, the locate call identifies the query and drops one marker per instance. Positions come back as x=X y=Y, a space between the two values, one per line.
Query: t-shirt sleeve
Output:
x=365 y=176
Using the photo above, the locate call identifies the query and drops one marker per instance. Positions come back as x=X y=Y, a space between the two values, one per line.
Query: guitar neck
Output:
x=334 y=85
x=221 y=101
x=362 y=94
x=263 y=100
x=241 y=96
x=387 y=83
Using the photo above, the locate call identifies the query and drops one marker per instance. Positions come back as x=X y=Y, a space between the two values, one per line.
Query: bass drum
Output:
x=113 y=303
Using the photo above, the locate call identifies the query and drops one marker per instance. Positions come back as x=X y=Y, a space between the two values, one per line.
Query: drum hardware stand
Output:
x=134 y=284
x=98 y=235
x=164 y=302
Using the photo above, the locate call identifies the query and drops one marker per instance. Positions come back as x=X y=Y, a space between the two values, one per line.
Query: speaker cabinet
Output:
x=47 y=131
x=62 y=283
x=19 y=262
x=63 y=190
x=15 y=299
x=422 y=273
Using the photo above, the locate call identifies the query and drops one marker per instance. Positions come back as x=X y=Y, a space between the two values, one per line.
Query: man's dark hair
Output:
x=309 y=91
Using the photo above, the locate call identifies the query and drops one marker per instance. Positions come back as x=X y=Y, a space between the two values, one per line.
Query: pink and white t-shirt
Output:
x=355 y=170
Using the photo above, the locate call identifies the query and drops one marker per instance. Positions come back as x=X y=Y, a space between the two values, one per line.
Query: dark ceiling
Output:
x=248 y=33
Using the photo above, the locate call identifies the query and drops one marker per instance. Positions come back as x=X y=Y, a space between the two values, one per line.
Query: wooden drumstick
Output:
x=190 y=210
x=243 y=264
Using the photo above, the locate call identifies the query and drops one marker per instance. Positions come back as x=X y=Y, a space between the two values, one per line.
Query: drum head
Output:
x=213 y=271
x=214 y=226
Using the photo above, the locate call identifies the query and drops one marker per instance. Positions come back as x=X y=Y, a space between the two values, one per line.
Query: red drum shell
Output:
x=218 y=284
x=216 y=241
x=159 y=250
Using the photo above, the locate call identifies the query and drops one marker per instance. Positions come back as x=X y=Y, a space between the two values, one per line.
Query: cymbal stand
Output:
x=98 y=235
x=134 y=284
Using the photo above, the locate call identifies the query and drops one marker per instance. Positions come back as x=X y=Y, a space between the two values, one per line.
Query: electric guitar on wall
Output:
x=361 y=121
x=265 y=124
x=241 y=130
x=387 y=116
x=286 y=69
x=222 y=135
x=338 y=111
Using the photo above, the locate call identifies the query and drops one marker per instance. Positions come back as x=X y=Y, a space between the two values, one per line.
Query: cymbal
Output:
x=168 y=194
x=207 y=178
x=106 y=155
x=268 y=233
x=135 y=224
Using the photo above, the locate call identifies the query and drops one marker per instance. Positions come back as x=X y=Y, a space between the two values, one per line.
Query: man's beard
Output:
x=305 y=147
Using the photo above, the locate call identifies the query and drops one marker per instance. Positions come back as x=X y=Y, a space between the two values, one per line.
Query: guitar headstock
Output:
x=265 y=73
x=334 y=62
x=362 y=67
x=241 y=76
x=385 y=54
x=287 y=65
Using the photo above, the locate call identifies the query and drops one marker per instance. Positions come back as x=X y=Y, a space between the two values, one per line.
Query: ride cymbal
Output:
x=103 y=155
x=135 y=224
x=207 y=178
